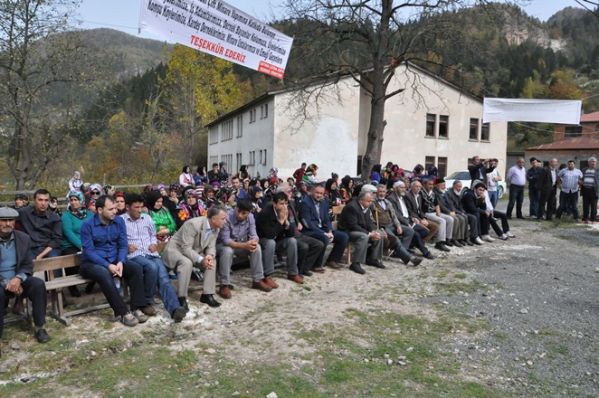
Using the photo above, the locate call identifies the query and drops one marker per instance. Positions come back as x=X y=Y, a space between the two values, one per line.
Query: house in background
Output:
x=431 y=122
x=577 y=142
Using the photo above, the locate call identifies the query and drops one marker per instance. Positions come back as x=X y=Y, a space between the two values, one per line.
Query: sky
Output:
x=124 y=14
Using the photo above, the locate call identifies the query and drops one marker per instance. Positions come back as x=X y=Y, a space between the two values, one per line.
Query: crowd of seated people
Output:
x=209 y=223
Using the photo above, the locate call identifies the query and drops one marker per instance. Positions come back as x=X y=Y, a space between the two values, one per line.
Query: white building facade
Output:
x=431 y=122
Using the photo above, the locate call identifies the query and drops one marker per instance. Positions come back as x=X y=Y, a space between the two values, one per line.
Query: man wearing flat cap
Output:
x=16 y=269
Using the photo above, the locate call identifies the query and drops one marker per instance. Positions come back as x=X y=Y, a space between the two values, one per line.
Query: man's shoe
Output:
x=149 y=310
x=415 y=261
x=521 y=217
x=128 y=319
x=478 y=241
x=510 y=235
x=306 y=272
x=271 y=282
x=178 y=314
x=357 y=268
x=42 y=336
x=261 y=285
x=141 y=317
x=209 y=299
x=296 y=278
x=468 y=242
x=448 y=243
x=503 y=237
x=377 y=264
x=457 y=243
x=487 y=238
x=183 y=303
x=74 y=291
x=320 y=270
x=225 y=292
x=429 y=255
x=441 y=246
x=334 y=265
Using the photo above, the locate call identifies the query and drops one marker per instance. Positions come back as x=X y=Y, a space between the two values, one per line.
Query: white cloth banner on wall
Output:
x=219 y=29
x=532 y=110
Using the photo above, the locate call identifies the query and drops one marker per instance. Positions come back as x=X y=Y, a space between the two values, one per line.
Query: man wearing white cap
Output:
x=16 y=269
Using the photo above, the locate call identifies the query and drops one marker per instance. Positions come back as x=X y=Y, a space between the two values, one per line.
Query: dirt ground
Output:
x=515 y=318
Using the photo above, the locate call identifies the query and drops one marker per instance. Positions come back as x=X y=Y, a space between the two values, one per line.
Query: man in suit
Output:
x=548 y=185
x=533 y=176
x=453 y=201
x=195 y=244
x=314 y=216
x=356 y=220
x=16 y=269
x=398 y=200
x=417 y=212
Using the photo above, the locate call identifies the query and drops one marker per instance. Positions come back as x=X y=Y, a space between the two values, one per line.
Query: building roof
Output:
x=577 y=143
x=590 y=117
x=332 y=77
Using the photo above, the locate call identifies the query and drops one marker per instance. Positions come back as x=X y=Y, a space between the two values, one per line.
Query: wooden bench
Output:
x=44 y=269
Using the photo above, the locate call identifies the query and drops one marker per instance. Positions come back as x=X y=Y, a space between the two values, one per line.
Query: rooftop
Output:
x=590 y=117
x=569 y=144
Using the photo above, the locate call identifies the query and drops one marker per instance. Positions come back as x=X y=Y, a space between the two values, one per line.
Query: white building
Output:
x=431 y=122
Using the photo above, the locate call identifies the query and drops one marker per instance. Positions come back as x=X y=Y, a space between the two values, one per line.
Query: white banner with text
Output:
x=531 y=110
x=219 y=29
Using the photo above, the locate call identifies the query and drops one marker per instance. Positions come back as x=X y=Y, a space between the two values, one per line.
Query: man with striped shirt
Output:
x=589 y=191
x=143 y=250
x=568 y=196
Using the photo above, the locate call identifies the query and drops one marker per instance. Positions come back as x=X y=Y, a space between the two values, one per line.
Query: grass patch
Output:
x=452 y=288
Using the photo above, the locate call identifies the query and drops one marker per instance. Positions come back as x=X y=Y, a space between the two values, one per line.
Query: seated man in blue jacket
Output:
x=104 y=258
x=16 y=269
x=314 y=215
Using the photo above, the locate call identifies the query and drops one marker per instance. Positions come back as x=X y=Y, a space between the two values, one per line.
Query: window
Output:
x=252 y=158
x=473 y=129
x=227 y=130
x=573 y=131
x=214 y=135
x=238 y=161
x=239 y=126
x=485 y=132
x=428 y=162
x=431 y=120
x=264 y=159
x=442 y=166
x=213 y=159
x=252 y=115
x=263 y=111
x=228 y=159
x=443 y=126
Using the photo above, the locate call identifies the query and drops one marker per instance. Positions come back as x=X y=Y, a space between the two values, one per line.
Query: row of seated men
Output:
x=126 y=246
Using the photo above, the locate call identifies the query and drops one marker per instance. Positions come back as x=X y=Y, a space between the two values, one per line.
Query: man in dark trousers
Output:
x=356 y=220
x=16 y=269
x=42 y=225
x=533 y=176
x=548 y=187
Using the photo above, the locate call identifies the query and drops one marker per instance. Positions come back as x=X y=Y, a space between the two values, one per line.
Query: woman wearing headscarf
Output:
x=185 y=178
x=75 y=183
x=72 y=220
x=163 y=221
x=189 y=207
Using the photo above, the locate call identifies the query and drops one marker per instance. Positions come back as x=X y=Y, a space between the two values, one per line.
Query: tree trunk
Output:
x=376 y=130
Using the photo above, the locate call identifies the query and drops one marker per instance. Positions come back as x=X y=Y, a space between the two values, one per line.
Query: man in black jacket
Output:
x=548 y=185
x=16 y=269
x=478 y=169
x=453 y=201
x=276 y=233
x=356 y=220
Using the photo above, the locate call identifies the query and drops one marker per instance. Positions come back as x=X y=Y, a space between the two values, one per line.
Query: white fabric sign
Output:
x=532 y=110
x=219 y=29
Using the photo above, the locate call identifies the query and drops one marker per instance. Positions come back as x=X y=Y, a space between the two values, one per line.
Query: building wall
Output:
x=579 y=156
x=588 y=129
x=406 y=114
x=256 y=137
x=324 y=132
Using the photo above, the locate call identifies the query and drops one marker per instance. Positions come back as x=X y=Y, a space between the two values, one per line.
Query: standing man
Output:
x=569 y=178
x=298 y=174
x=479 y=169
x=43 y=226
x=195 y=244
x=516 y=178
x=238 y=238
x=548 y=186
x=16 y=269
x=277 y=234
x=492 y=179
x=590 y=189
x=356 y=220
x=104 y=258
x=314 y=214
x=533 y=176
x=143 y=250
